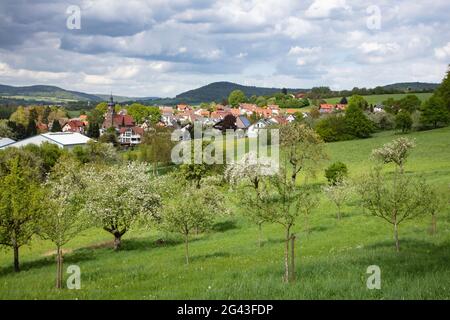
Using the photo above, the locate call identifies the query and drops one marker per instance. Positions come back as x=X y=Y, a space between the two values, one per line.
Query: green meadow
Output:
x=227 y=263
x=379 y=98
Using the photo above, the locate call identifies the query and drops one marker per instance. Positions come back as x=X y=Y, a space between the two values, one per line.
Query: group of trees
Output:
x=326 y=92
x=282 y=99
x=55 y=194
x=353 y=124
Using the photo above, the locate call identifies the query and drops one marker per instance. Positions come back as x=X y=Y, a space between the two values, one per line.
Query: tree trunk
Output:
x=117 y=241
x=397 y=244
x=339 y=213
x=186 y=246
x=59 y=267
x=286 y=257
x=292 y=258
x=433 y=224
x=260 y=234
x=16 y=256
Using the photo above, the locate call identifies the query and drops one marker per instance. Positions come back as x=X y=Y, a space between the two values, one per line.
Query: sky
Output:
x=159 y=48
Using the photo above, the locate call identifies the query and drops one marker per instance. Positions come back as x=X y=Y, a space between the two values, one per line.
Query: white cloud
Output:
x=324 y=8
x=294 y=27
x=379 y=48
x=304 y=51
x=443 y=53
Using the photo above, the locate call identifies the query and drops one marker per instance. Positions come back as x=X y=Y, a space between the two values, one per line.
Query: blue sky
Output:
x=162 y=48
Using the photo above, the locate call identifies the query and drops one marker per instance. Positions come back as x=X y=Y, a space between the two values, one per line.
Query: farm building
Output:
x=66 y=140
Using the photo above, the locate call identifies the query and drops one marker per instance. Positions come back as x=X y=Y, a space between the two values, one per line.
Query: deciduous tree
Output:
x=118 y=197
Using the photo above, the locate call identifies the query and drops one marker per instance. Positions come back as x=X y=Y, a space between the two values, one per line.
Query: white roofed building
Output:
x=66 y=140
x=5 y=142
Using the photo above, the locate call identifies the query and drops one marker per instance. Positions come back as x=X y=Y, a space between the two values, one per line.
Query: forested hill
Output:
x=41 y=91
x=218 y=91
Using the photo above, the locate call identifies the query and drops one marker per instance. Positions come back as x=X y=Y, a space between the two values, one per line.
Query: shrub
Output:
x=336 y=172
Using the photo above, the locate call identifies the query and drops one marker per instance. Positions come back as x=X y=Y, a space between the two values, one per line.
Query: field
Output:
x=379 y=98
x=41 y=98
x=227 y=263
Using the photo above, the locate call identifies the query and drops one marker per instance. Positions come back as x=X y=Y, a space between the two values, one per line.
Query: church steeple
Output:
x=109 y=118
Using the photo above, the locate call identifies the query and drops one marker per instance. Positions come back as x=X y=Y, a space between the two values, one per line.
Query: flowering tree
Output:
x=396 y=200
x=119 y=196
x=64 y=217
x=187 y=207
x=247 y=173
x=338 y=193
x=396 y=151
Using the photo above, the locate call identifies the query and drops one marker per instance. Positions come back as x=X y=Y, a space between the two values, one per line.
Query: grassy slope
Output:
x=374 y=99
x=228 y=264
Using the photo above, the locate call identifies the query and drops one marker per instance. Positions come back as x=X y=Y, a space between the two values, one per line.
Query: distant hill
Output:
x=218 y=91
x=121 y=99
x=46 y=92
x=412 y=86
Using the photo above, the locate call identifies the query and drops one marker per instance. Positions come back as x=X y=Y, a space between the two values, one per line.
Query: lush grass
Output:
x=41 y=98
x=228 y=264
x=379 y=98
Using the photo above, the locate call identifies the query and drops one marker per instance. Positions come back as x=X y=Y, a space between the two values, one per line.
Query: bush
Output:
x=382 y=120
x=403 y=121
x=336 y=172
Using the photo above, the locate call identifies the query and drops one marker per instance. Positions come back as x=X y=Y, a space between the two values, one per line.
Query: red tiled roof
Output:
x=248 y=106
x=235 y=112
x=123 y=120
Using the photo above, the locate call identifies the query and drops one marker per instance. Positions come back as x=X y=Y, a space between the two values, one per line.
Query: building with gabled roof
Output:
x=64 y=140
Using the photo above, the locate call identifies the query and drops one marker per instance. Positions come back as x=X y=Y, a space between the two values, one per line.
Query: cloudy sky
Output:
x=164 y=47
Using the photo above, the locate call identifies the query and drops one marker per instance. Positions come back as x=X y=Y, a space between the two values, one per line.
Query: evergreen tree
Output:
x=93 y=130
x=356 y=122
x=31 y=128
x=56 y=126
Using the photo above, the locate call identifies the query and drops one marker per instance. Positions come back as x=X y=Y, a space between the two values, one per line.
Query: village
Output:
x=247 y=119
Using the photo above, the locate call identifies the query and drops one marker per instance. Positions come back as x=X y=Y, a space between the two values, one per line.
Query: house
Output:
x=74 y=125
x=64 y=140
x=183 y=107
x=242 y=125
x=291 y=118
x=378 y=108
x=329 y=108
x=275 y=108
x=235 y=112
x=254 y=129
x=326 y=108
x=4 y=142
x=264 y=112
x=130 y=136
x=247 y=108
x=341 y=107
x=291 y=111
x=279 y=120
x=300 y=95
